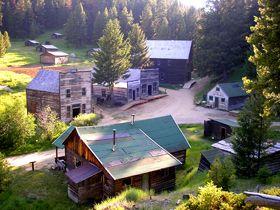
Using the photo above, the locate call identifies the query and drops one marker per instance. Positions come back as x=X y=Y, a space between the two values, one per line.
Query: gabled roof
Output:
x=213 y=154
x=231 y=123
x=56 y=53
x=169 y=49
x=33 y=41
x=45 y=80
x=131 y=76
x=49 y=47
x=234 y=89
x=57 y=34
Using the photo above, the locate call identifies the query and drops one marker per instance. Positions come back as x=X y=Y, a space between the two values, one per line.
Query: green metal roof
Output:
x=234 y=89
x=213 y=154
x=231 y=123
x=59 y=141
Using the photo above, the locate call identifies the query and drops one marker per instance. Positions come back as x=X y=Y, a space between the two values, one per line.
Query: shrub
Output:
x=4 y=173
x=263 y=175
x=134 y=194
x=272 y=191
x=86 y=119
x=222 y=173
x=211 y=197
x=13 y=80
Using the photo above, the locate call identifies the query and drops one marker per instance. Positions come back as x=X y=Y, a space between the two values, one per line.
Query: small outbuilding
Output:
x=44 y=48
x=57 y=35
x=54 y=57
x=227 y=96
x=32 y=43
x=219 y=129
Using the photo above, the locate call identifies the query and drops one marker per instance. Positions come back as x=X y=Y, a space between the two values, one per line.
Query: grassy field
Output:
x=20 y=55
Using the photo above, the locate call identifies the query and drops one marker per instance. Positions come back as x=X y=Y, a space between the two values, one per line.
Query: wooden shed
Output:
x=227 y=96
x=54 y=57
x=132 y=154
x=57 y=35
x=219 y=129
x=173 y=58
x=32 y=43
x=46 y=48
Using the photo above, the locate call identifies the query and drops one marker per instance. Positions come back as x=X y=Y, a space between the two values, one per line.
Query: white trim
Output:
x=181 y=132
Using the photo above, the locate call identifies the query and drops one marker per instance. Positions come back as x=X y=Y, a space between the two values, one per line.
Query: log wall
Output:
x=163 y=179
x=180 y=155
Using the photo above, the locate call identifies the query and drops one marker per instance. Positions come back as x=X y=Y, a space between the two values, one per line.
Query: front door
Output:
x=76 y=110
x=145 y=182
x=150 y=88
x=216 y=102
x=133 y=95
x=223 y=133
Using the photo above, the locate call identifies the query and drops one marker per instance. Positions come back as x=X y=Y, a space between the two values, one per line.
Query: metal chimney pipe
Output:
x=114 y=140
x=132 y=119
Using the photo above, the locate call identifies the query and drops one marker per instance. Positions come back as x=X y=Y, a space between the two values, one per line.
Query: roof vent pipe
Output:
x=114 y=140
x=132 y=119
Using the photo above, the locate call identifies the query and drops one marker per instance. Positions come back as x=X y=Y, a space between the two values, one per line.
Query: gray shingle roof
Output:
x=45 y=80
x=234 y=89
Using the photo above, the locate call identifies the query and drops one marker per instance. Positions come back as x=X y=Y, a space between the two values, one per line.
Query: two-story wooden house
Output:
x=68 y=93
x=103 y=161
x=173 y=58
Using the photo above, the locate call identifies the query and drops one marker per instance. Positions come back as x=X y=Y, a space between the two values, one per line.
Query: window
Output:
x=164 y=172
x=83 y=108
x=84 y=91
x=211 y=98
x=217 y=89
x=68 y=93
x=129 y=93
x=137 y=92
x=68 y=114
x=126 y=182
x=103 y=93
x=144 y=89
x=223 y=100
x=155 y=86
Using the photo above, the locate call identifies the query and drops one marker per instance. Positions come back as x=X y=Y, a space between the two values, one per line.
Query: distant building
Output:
x=104 y=161
x=57 y=35
x=227 y=96
x=46 y=48
x=173 y=58
x=68 y=93
x=133 y=85
x=54 y=57
x=91 y=51
x=32 y=43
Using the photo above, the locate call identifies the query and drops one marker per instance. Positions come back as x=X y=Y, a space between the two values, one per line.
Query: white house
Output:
x=227 y=96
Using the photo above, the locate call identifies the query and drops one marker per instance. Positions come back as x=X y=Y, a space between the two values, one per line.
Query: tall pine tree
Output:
x=113 y=59
x=2 y=46
x=126 y=21
x=139 y=49
x=6 y=40
x=147 y=20
x=75 y=28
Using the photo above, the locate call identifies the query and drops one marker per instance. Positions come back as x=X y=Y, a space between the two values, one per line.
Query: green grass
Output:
x=16 y=82
x=236 y=74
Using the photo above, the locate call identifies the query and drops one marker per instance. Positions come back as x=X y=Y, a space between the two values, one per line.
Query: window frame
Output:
x=84 y=91
x=84 y=108
x=68 y=93
x=68 y=111
x=211 y=98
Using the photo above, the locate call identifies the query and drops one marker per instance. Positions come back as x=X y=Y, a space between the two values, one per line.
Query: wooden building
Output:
x=54 y=57
x=57 y=35
x=32 y=43
x=134 y=85
x=223 y=148
x=173 y=58
x=69 y=93
x=227 y=96
x=46 y=48
x=132 y=154
x=219 y=129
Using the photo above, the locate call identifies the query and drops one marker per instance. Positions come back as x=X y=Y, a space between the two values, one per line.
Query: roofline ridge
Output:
x=181 y=132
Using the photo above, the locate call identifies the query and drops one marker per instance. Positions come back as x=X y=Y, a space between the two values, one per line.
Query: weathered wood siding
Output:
x=215 y=98
x=272 y=162
x=75 y=81
x=180 y=155
x=38 y=100
x=47 y=59
x=214 y=129
x=163 y=180
x=61 y=60
x=149 y=79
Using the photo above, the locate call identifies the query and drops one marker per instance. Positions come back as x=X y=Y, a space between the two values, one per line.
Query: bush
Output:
x=13 y=80
x=263 y=175
x=272 y=191
x=4 y=173
x=86 y=119
x=222 y=174
x=211 y=197
x=134 y=194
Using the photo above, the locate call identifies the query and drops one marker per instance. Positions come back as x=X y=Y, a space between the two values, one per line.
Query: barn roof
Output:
x=83 y=172
x=56 y=53
x=234 y=89
x=45 y=80
x=231 y=123
x=169 y=49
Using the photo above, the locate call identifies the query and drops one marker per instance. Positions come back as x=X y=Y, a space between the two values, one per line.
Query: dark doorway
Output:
x=150 y=88
x=133 y=95
x=223 y=133
x=76 y=110
x=216 y=102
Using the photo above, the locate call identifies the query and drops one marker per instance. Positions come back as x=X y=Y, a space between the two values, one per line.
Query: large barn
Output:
x=173 y=58
x=68 y=93
x=103 y=161
x=227 y=96
x=54 y=57
x=134 y=85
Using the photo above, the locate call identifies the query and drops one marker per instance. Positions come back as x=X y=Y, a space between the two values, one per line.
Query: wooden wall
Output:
x=160 y=180
x=213 y=129
x=180 y=155
x=37 y=100
x=148 y=78
x=47 y=59
x=75 y=81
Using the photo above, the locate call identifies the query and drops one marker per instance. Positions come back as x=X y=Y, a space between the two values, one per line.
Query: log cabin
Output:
x=227 y=96
x=103 y=161
x=57 y=35
x=32 y=43
x=173 y=58
x=68 y=92
x=135 y=84
x=46 y=48
x=54 y=57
